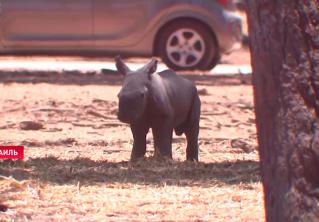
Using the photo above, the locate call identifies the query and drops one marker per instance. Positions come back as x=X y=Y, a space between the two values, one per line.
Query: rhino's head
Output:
x=135 y=90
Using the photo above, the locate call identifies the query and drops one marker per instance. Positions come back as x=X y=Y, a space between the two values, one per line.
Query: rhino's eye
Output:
x=142 y=94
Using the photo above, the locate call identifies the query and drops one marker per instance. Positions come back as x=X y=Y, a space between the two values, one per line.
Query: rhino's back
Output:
x=175 y=81
x=181 y=93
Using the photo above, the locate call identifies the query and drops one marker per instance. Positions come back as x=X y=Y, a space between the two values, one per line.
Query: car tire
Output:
x=187 y=45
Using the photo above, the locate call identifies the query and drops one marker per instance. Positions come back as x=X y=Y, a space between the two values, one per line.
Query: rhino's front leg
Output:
x=163 y=140
x=192 y=145
x=139 y=131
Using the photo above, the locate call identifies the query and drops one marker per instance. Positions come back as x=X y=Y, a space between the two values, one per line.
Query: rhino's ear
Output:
x=150 y=67
x=120 y=65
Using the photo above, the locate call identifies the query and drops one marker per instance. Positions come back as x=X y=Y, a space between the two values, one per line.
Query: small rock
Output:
x=203 y=92
x=31 y=125
x=3 y=208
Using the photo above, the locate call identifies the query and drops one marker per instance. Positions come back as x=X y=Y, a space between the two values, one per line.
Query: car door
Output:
x=119 y=23
x=47 y=23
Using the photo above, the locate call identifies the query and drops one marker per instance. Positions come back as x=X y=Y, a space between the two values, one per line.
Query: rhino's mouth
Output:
x=127 y=117
x=124 y=119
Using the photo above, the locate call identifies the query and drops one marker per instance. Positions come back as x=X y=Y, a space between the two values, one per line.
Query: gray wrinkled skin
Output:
x=162 y=102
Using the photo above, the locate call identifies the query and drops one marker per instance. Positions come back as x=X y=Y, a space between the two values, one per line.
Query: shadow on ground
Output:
x=148 y=171
x=108 y=77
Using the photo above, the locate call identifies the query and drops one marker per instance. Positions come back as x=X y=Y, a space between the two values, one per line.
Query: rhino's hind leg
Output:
x=139 y=132
x=192 y=131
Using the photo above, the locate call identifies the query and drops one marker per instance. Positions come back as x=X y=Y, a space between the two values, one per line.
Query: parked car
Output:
x=186 y=34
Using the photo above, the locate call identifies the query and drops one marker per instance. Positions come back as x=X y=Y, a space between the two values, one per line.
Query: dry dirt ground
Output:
x=77 y=164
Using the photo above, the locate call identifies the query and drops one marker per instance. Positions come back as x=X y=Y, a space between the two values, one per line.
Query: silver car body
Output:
x=115 y=26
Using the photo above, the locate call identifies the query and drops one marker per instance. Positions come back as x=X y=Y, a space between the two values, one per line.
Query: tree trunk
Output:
x=284 y=42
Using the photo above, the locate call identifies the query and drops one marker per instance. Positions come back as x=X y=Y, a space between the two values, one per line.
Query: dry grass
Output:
x=77 y=168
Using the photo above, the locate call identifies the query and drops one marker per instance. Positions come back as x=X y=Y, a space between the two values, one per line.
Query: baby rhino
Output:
x=161 y=101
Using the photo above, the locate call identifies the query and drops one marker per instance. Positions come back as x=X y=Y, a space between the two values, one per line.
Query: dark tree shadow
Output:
x=108 y=77
x=61 y=78
x=147 y=171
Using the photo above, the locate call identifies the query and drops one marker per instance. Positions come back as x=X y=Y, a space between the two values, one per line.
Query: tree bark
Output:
x=284 y=43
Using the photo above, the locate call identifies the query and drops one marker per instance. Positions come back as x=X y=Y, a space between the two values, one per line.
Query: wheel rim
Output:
x=185 y=48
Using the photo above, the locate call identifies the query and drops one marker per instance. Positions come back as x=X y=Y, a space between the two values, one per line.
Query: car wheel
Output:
x=187 y=45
